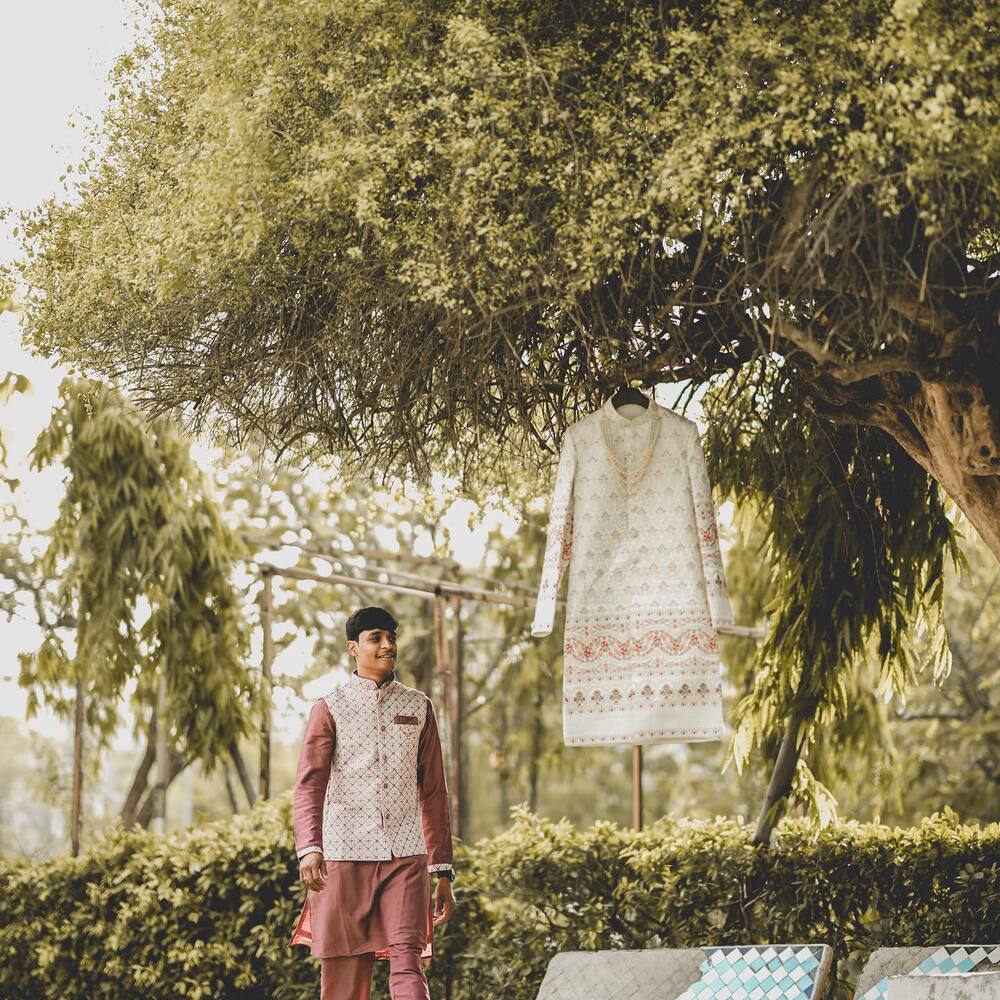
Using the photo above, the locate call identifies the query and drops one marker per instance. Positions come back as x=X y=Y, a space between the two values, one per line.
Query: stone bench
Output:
x=891 y=971
x=737 y=972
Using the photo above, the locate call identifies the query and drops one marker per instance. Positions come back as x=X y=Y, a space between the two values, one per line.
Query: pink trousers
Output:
x=350 y=976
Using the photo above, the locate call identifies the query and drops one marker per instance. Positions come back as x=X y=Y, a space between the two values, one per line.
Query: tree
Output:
x=948 y=736
x=135 y=582
x=438 y=243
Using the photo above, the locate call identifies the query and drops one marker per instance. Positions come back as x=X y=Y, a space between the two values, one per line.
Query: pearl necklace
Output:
x=630 y=481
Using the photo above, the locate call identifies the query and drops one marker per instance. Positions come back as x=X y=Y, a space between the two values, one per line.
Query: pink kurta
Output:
x=365 y=904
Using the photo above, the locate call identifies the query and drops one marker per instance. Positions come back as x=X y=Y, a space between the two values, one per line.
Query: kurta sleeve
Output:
x=708 y=534
x=432 y=789
x=311 y=779
x=559 y=540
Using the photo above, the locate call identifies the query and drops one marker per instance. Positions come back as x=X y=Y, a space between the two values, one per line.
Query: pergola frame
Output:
x=448 y=665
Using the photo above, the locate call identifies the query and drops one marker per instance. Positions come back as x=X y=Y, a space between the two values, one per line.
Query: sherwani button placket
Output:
x=380 y=756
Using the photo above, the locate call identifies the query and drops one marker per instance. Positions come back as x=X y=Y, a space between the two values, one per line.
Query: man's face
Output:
x=374 y=650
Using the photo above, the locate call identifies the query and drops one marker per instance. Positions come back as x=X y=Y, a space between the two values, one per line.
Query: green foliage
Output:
x=8 y=287
x=854 y=536
x=144 y=562
x=420 y=230
x=426 y=235
x=948 y=737
x=209 y=913
x=12 y=382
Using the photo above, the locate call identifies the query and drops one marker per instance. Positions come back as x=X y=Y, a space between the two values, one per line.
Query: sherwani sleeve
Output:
x=311 y=778
x=432 y=789
x=708 y=534
x=559 y=540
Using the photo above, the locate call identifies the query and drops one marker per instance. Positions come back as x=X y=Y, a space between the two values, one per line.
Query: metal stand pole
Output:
x=637 y=786
x=266 y=615
x=443 y=671
x=457 y=786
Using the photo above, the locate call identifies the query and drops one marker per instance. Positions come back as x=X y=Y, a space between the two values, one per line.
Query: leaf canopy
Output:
x=425 y=233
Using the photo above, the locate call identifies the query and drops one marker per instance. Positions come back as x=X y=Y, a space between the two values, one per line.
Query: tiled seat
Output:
x=938 y=960
x=738 y=972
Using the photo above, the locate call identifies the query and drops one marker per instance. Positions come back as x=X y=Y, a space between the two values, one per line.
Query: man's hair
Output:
x=366 y=618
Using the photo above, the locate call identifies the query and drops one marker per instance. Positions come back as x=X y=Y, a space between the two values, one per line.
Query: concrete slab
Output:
x=953 y=986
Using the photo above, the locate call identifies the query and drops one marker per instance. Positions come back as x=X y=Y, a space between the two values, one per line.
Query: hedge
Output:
x=207 y=913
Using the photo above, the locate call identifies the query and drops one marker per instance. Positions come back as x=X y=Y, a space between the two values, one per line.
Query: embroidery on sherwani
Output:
x=633 y=521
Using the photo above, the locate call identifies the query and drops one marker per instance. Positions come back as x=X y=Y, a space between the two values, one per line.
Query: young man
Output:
x=371 y=820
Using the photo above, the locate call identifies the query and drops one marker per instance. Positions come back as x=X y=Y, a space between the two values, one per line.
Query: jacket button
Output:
x=385 y=784
x=383 y=729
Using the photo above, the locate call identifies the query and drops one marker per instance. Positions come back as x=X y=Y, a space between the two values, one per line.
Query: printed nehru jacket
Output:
x=632 y=518
x=370 y=784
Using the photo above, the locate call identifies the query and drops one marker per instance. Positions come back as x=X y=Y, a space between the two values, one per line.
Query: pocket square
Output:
x=406 y=720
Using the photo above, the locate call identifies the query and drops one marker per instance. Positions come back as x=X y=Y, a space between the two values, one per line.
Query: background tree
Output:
x=437 y=244
x=135 y=581
x=947 y=737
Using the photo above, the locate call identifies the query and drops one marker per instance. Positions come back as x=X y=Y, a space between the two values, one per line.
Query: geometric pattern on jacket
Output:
x=370 y=782
x=646 y=588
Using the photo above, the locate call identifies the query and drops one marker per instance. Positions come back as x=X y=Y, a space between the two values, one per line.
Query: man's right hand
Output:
x=312 y=871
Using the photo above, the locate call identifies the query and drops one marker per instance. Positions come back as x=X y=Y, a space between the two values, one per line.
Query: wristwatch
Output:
x=448 y=873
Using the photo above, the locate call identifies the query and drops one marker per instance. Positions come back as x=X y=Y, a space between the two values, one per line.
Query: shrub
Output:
x=208 y=913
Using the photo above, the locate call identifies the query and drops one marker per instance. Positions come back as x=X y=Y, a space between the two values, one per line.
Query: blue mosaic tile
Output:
x=949 y=958
x=753 y=972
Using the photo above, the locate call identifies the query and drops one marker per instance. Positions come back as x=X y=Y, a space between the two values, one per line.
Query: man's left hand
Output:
x=444 y=901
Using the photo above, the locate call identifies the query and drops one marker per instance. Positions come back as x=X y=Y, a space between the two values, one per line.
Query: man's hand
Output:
x=312 y=871
x=444 y=901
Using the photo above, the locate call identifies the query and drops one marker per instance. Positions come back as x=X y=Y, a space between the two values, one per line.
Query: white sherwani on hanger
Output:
x=632 y=518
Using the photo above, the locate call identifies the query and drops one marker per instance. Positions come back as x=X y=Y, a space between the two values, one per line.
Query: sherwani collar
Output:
x=609 y=411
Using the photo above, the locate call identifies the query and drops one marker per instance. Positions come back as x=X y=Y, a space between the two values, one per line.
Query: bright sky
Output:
x=56 y=58
x=54 y=70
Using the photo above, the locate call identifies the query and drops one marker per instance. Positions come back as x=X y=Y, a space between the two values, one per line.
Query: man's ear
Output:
x=352 y=648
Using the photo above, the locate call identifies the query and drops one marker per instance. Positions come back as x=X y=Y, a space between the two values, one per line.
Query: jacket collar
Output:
x=608 y=409
x=366 y=686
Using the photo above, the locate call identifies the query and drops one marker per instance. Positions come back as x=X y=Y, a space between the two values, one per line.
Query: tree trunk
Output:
x=503 y=771
x=266 y=606
x=781 y=779
x=230 y=792
x=950 y=432
x=637 y=786
x=536 y=748
x=130 y=809
x=459 y=810
x=76 y=807
x=242 y=772
x=176 y=764
x=163 y=755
